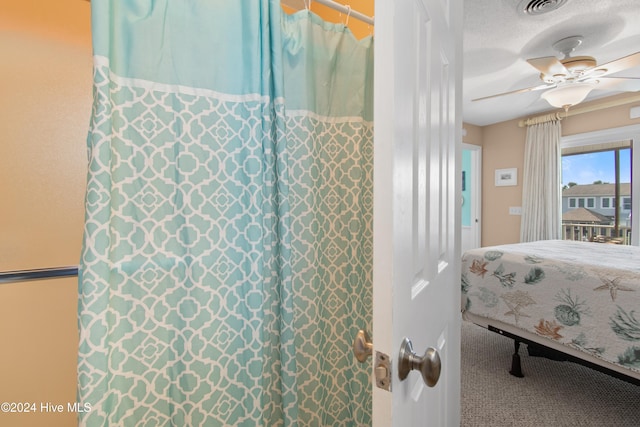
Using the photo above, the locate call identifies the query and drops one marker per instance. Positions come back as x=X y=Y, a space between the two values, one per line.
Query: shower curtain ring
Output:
x=346 y=23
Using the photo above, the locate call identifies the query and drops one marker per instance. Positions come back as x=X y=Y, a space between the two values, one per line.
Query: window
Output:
x=598 y=178
x=582 y=202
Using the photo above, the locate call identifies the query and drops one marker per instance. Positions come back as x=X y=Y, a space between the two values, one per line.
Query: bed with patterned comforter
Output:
x=582 y=297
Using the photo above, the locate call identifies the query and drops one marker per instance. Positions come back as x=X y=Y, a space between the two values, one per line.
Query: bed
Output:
x=577 y=301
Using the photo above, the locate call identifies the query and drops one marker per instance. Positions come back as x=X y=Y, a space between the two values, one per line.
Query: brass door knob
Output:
x=362 y=346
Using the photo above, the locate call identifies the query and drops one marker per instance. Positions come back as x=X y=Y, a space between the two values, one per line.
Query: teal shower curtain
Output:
x=226 y=263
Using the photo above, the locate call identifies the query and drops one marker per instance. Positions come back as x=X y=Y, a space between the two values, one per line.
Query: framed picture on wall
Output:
x=506 y=177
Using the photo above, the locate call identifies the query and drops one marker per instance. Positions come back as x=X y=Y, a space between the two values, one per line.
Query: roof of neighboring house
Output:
x=597 y=190
x=584 y=215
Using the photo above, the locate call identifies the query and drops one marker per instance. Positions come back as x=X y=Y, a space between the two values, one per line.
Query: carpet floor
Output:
x=551 y=393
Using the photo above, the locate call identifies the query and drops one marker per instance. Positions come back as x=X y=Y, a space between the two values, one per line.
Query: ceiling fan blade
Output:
x=529 y=89
x=548 y=65
x=617 y=65
x=622 y=84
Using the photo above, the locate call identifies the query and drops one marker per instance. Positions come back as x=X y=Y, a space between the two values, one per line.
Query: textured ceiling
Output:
x=498 y=40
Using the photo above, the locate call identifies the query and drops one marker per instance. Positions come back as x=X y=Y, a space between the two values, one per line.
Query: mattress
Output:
x=580 y=296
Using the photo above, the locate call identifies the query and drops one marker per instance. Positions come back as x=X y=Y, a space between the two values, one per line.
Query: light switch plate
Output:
x=515 y=210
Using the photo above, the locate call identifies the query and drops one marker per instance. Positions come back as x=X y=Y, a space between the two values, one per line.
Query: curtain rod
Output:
x=343 y=9
x=579 y=110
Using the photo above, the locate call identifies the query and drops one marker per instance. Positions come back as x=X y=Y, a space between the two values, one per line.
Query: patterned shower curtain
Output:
x=226 y=263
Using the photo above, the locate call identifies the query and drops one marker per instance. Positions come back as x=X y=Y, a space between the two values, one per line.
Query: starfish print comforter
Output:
x=583 y=295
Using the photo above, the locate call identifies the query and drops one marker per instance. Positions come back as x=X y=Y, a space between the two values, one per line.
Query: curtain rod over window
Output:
x=580 y=110
x=336 y=6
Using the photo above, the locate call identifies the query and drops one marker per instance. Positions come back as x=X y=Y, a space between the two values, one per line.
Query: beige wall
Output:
x=503 y=147
x=472 y=134
x=44 y=108
x=603 y=119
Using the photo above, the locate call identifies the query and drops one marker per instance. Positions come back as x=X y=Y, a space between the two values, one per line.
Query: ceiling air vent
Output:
x=539 y=7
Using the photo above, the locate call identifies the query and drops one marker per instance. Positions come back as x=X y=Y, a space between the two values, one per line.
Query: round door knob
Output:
x=429 y=364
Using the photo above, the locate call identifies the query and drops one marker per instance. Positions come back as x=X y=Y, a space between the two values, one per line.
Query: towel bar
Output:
x=37 y=274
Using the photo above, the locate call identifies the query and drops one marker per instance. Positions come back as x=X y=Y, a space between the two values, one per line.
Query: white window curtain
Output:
x=541 y=203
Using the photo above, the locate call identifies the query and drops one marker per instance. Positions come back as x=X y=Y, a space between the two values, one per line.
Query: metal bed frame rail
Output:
x=536 y=349
x=37 y=274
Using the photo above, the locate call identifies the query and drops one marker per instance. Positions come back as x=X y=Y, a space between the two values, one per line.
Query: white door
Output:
x=416 y=270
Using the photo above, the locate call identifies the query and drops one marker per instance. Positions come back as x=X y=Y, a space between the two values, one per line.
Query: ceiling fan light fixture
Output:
x=567 y=95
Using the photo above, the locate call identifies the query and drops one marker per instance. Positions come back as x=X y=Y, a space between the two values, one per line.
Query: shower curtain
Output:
x=227 y=250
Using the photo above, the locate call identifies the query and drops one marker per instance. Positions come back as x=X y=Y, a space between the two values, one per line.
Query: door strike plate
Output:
x=382 y=371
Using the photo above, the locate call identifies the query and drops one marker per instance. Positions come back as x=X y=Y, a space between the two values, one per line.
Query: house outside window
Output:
x=582 y=202
x=596 y=195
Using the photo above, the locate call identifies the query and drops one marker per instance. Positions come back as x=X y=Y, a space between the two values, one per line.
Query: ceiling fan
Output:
x=568 y=81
